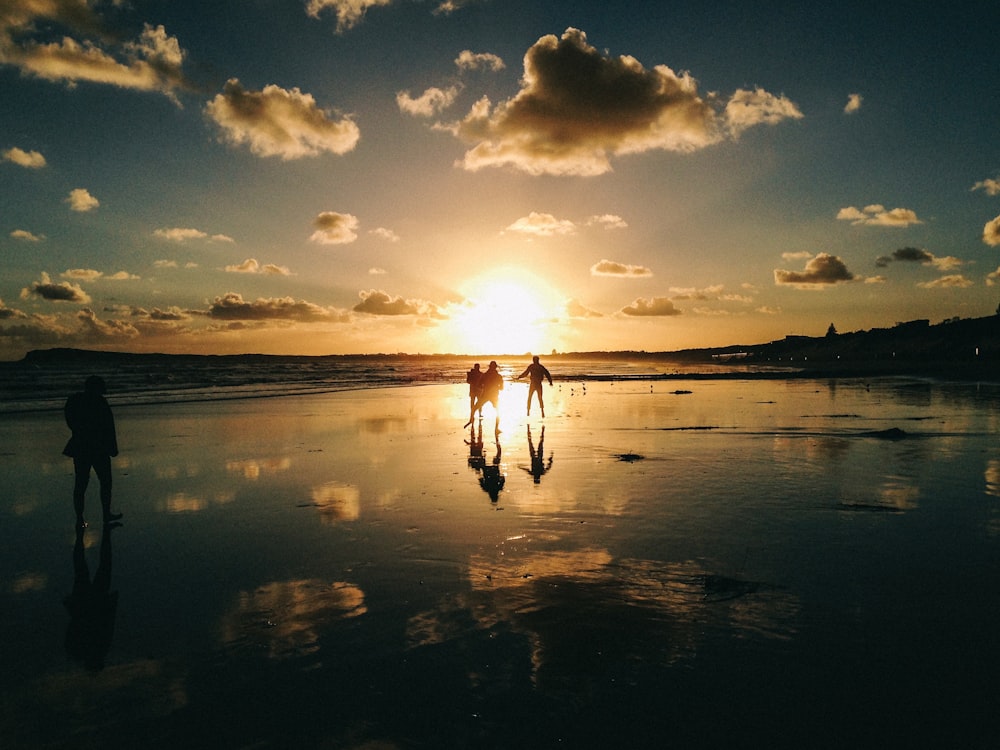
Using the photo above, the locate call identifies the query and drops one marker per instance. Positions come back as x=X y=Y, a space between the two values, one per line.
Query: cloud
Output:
x=385 y=234
x=991 y=232
x=79 y=199
x=55 y=292
x=577 y=108
x=708 y=293
x=956 y=281
x=26 y=159
x=823 y=270
x=613 y=268
x=88 y=52
x=10 y=313
x=468 y=60
x=122 y=276
x=377 y=302
x=853 y=103
x=428 y=104
x=654 y=307
x=349 y=12
x=989 y=186
x=608 y=221
x=576 y=309
x=333 y=228
x=377 y=271
x=992 y=279
x=95 y=328
x=25 y=236
x=231 y=306
x=542 y=225
x=877 y=216
x=251 y=265
x=450 y=6
x=747 y=109
x=82 y=274
x=918 y=255
x=182 y=234
x=279 y=122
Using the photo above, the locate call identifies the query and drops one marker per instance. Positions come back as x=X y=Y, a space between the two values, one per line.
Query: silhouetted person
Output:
x=538 y=465
x=92 y=445
x=492 y=384
x=536 y=373
x=474 y=378
x=492 y=480
x=92 y=605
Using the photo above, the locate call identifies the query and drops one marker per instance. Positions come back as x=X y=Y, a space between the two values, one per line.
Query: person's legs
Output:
x=81 y=478
x=102 y=467
x=541 y=403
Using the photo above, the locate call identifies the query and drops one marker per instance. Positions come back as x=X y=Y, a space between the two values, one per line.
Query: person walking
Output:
x=92 y=445
x=536 y=372
x=491 y=385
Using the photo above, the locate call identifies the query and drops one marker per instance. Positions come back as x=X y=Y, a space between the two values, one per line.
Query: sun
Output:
x=506 y=311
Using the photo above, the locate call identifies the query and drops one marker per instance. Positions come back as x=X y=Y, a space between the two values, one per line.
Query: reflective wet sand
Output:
x=700 y=564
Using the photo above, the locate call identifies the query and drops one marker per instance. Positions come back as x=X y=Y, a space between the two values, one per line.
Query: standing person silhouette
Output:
x=536 y=372
x=93 y=443
x=491 y=385
x=474 y=378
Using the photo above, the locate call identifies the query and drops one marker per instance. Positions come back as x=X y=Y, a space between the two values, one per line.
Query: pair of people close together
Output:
x=485 y=387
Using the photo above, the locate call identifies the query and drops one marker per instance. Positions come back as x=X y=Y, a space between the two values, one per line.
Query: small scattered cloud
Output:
x=252 y=265
x=23 y=235
x=988 y=186
x=653 y=308
x=349 y=13
x=993 y=279
x=429 y=103
x=876 y=215
x=378 y=302
x=955 y=281
x=10 y=313
x=469 y=60
x=79 y=199
x=702 y=295
x=919 y=255
x=183 y=234
x=81 y=274
x=26 y=159
x=385 y=234
x=286 y=123
x=377 y=271
x=96 y=328
x=578 y=107
x=122 y=276
x=991 y=232
x=853 y=103
x=164 y=264
x=800 y=255
x=623 y=270
x=232 y=306
x=334 y=228
x=822 y=270
x=542 y=225
x=608 y=221
x=450 y=6
x=576 y=309
x=55 y=291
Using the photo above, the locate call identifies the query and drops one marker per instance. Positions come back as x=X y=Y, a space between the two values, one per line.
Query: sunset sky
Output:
x=491 y=176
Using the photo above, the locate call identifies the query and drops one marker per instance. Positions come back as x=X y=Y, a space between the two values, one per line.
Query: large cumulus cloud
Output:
x=578 y=107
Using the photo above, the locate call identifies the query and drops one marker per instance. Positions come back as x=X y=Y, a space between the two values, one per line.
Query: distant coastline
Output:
x=961 y=348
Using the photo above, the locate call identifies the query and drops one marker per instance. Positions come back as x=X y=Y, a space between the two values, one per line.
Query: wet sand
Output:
x=689 y=564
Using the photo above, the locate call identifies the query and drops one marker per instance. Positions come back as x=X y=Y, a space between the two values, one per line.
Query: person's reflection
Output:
x=493 y=479
x=538 y=463
x=475 y=442
x=92 y=605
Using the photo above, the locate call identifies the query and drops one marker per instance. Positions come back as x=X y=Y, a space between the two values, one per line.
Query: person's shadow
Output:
x=538 y=463
x=92 y=606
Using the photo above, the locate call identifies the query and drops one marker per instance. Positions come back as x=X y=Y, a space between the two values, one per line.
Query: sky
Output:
x=491 y=176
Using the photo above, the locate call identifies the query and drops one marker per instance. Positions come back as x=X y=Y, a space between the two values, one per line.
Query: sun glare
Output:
x=506 y=311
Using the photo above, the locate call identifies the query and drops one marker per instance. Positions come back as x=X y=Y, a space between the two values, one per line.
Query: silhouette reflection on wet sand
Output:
x=538 y=464
x=491 y=476
x=92 y=605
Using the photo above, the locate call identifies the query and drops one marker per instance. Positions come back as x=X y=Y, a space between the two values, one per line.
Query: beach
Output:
x=703 y=563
